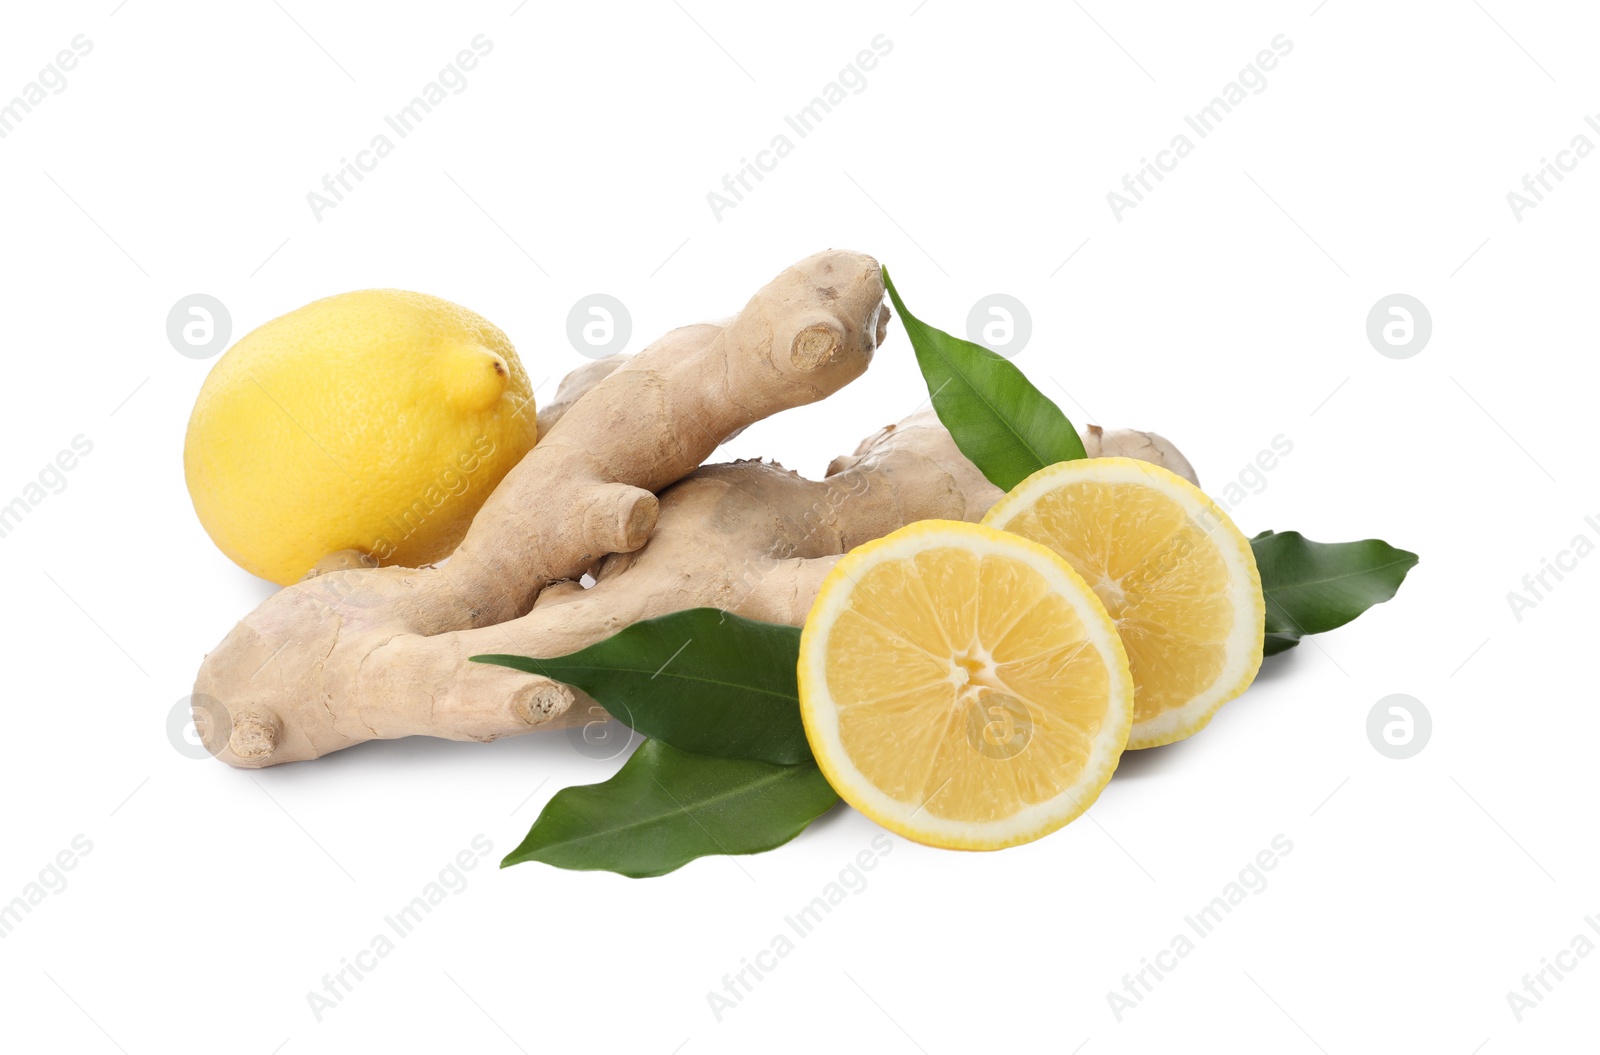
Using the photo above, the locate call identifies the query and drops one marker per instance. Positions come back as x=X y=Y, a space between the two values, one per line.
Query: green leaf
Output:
x=1313 y=587
x=1005 y=426
x=702 y=680
x=666 y=807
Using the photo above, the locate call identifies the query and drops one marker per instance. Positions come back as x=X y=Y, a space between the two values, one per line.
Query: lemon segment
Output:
x=1178 y=579
x=963 y=687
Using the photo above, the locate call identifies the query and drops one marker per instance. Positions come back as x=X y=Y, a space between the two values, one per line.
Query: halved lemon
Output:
x=1177 y=577
x=963 y=687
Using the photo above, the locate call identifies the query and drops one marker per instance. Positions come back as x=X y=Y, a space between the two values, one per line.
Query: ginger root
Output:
x=287 y=682
x=777 y=536
x=1145 y=446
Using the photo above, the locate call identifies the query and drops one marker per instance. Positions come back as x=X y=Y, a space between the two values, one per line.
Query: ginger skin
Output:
x=285 y=684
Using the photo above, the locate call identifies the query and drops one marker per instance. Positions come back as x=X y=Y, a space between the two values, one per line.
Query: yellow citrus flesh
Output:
x=1178 y=579
x=377 y=421
x=963 y=687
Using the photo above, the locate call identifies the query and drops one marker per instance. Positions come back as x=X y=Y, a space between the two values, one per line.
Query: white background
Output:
x=1226 y=309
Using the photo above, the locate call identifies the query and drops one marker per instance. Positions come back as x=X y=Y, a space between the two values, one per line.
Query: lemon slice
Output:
x=1177 y=577
x=963 y=687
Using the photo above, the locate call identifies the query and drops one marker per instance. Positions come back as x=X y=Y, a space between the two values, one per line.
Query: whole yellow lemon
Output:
x=377 y=421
